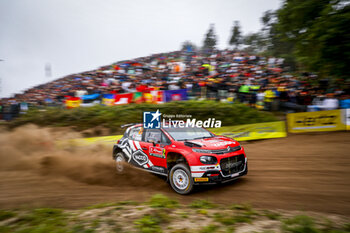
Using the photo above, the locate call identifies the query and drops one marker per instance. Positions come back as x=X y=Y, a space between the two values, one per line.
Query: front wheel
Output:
x=180 y=179
x=120 y=162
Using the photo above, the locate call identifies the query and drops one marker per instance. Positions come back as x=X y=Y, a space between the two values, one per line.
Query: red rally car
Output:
x=187 y=156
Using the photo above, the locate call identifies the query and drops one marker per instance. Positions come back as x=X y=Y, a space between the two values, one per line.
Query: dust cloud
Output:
x=34 y=149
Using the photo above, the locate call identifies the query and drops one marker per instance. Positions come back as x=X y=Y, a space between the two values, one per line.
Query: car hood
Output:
x=215 y=143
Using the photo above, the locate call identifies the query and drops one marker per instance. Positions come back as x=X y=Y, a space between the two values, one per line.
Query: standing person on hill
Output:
x=268 y=98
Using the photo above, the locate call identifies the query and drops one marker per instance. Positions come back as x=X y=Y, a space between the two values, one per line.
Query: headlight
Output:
x=202 y=151
x=208 y=159
x=236 y=148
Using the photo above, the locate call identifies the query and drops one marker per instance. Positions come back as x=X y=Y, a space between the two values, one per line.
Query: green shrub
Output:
x=209 y=229
x=202 y=211
x=42 y=221
x=148 y=224
x=246 y=207
x=300 y=224
x=347 y=227
x=4 y=214
x=225 y=220
x=161 y=201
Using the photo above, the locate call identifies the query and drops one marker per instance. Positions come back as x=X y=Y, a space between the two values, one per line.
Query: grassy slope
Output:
x=161 y=214
x=113 y=117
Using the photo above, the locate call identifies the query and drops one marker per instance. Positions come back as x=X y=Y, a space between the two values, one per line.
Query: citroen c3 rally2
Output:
x=187 y=156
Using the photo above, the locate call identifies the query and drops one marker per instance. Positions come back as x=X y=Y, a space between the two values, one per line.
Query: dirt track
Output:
x=301 y=172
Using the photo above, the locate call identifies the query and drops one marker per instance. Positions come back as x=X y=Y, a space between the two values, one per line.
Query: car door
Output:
x=153 y=145
x=133 y=145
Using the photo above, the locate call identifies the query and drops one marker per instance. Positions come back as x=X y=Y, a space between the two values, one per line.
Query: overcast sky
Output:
x=80 y=35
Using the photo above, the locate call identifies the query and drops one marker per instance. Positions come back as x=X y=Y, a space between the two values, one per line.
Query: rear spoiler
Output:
x=127 y=125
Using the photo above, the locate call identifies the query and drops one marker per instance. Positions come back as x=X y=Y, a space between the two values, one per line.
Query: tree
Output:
x=188 y=46
x=318 y=30
x=210 y=39
x=236 y=37
x=272 y=43
x=254 y=43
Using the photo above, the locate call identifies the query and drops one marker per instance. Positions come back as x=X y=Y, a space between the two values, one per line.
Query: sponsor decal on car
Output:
x=157 y=152
x=158 y=169
x=201 y=179
x=220 y=144
x=140 y=157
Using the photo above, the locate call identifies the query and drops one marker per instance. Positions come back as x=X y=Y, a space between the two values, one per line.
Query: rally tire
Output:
x=180 y=179
x=120 y=162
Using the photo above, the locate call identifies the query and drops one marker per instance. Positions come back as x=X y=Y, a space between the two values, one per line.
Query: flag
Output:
x=175 y=95
x=73 y=102
x=108 y=99
x=90 y=100
x=91 y=97
x=148 y=97
x=137 y=98
x=123 y=98
x=157 y=97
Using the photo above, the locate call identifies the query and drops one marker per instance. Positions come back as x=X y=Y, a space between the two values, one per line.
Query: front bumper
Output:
x=215 y=176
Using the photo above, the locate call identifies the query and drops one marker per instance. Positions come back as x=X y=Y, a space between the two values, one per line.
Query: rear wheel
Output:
x=180 y=179
x=120 y=162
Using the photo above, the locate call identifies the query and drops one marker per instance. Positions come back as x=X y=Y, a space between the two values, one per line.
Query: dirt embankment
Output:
x=301 y=172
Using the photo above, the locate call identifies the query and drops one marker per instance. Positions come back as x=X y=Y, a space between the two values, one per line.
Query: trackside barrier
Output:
x=331 y=120
x=253 y=131
x=346 y=113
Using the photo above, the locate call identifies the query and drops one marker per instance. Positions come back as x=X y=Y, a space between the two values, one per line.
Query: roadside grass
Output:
x=40 y=220
x=271 y=214
x=163 y=214
x=201 y=204
x=306 y=224
x=117 y=204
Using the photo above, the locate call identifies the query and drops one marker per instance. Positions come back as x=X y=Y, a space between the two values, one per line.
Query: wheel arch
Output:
x=116 y=150
x=174 y=158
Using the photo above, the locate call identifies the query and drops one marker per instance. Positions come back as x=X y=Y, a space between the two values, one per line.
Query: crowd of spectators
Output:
x=224 y=75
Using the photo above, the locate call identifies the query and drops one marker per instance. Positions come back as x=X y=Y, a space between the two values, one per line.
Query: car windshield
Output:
x=182 y=134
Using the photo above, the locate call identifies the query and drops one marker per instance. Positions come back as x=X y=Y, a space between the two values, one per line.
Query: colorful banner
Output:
x=123 y=98
x=253 y=131
x=175 y=95
x=331 y=120
x=73 y=102
x=108 y=99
